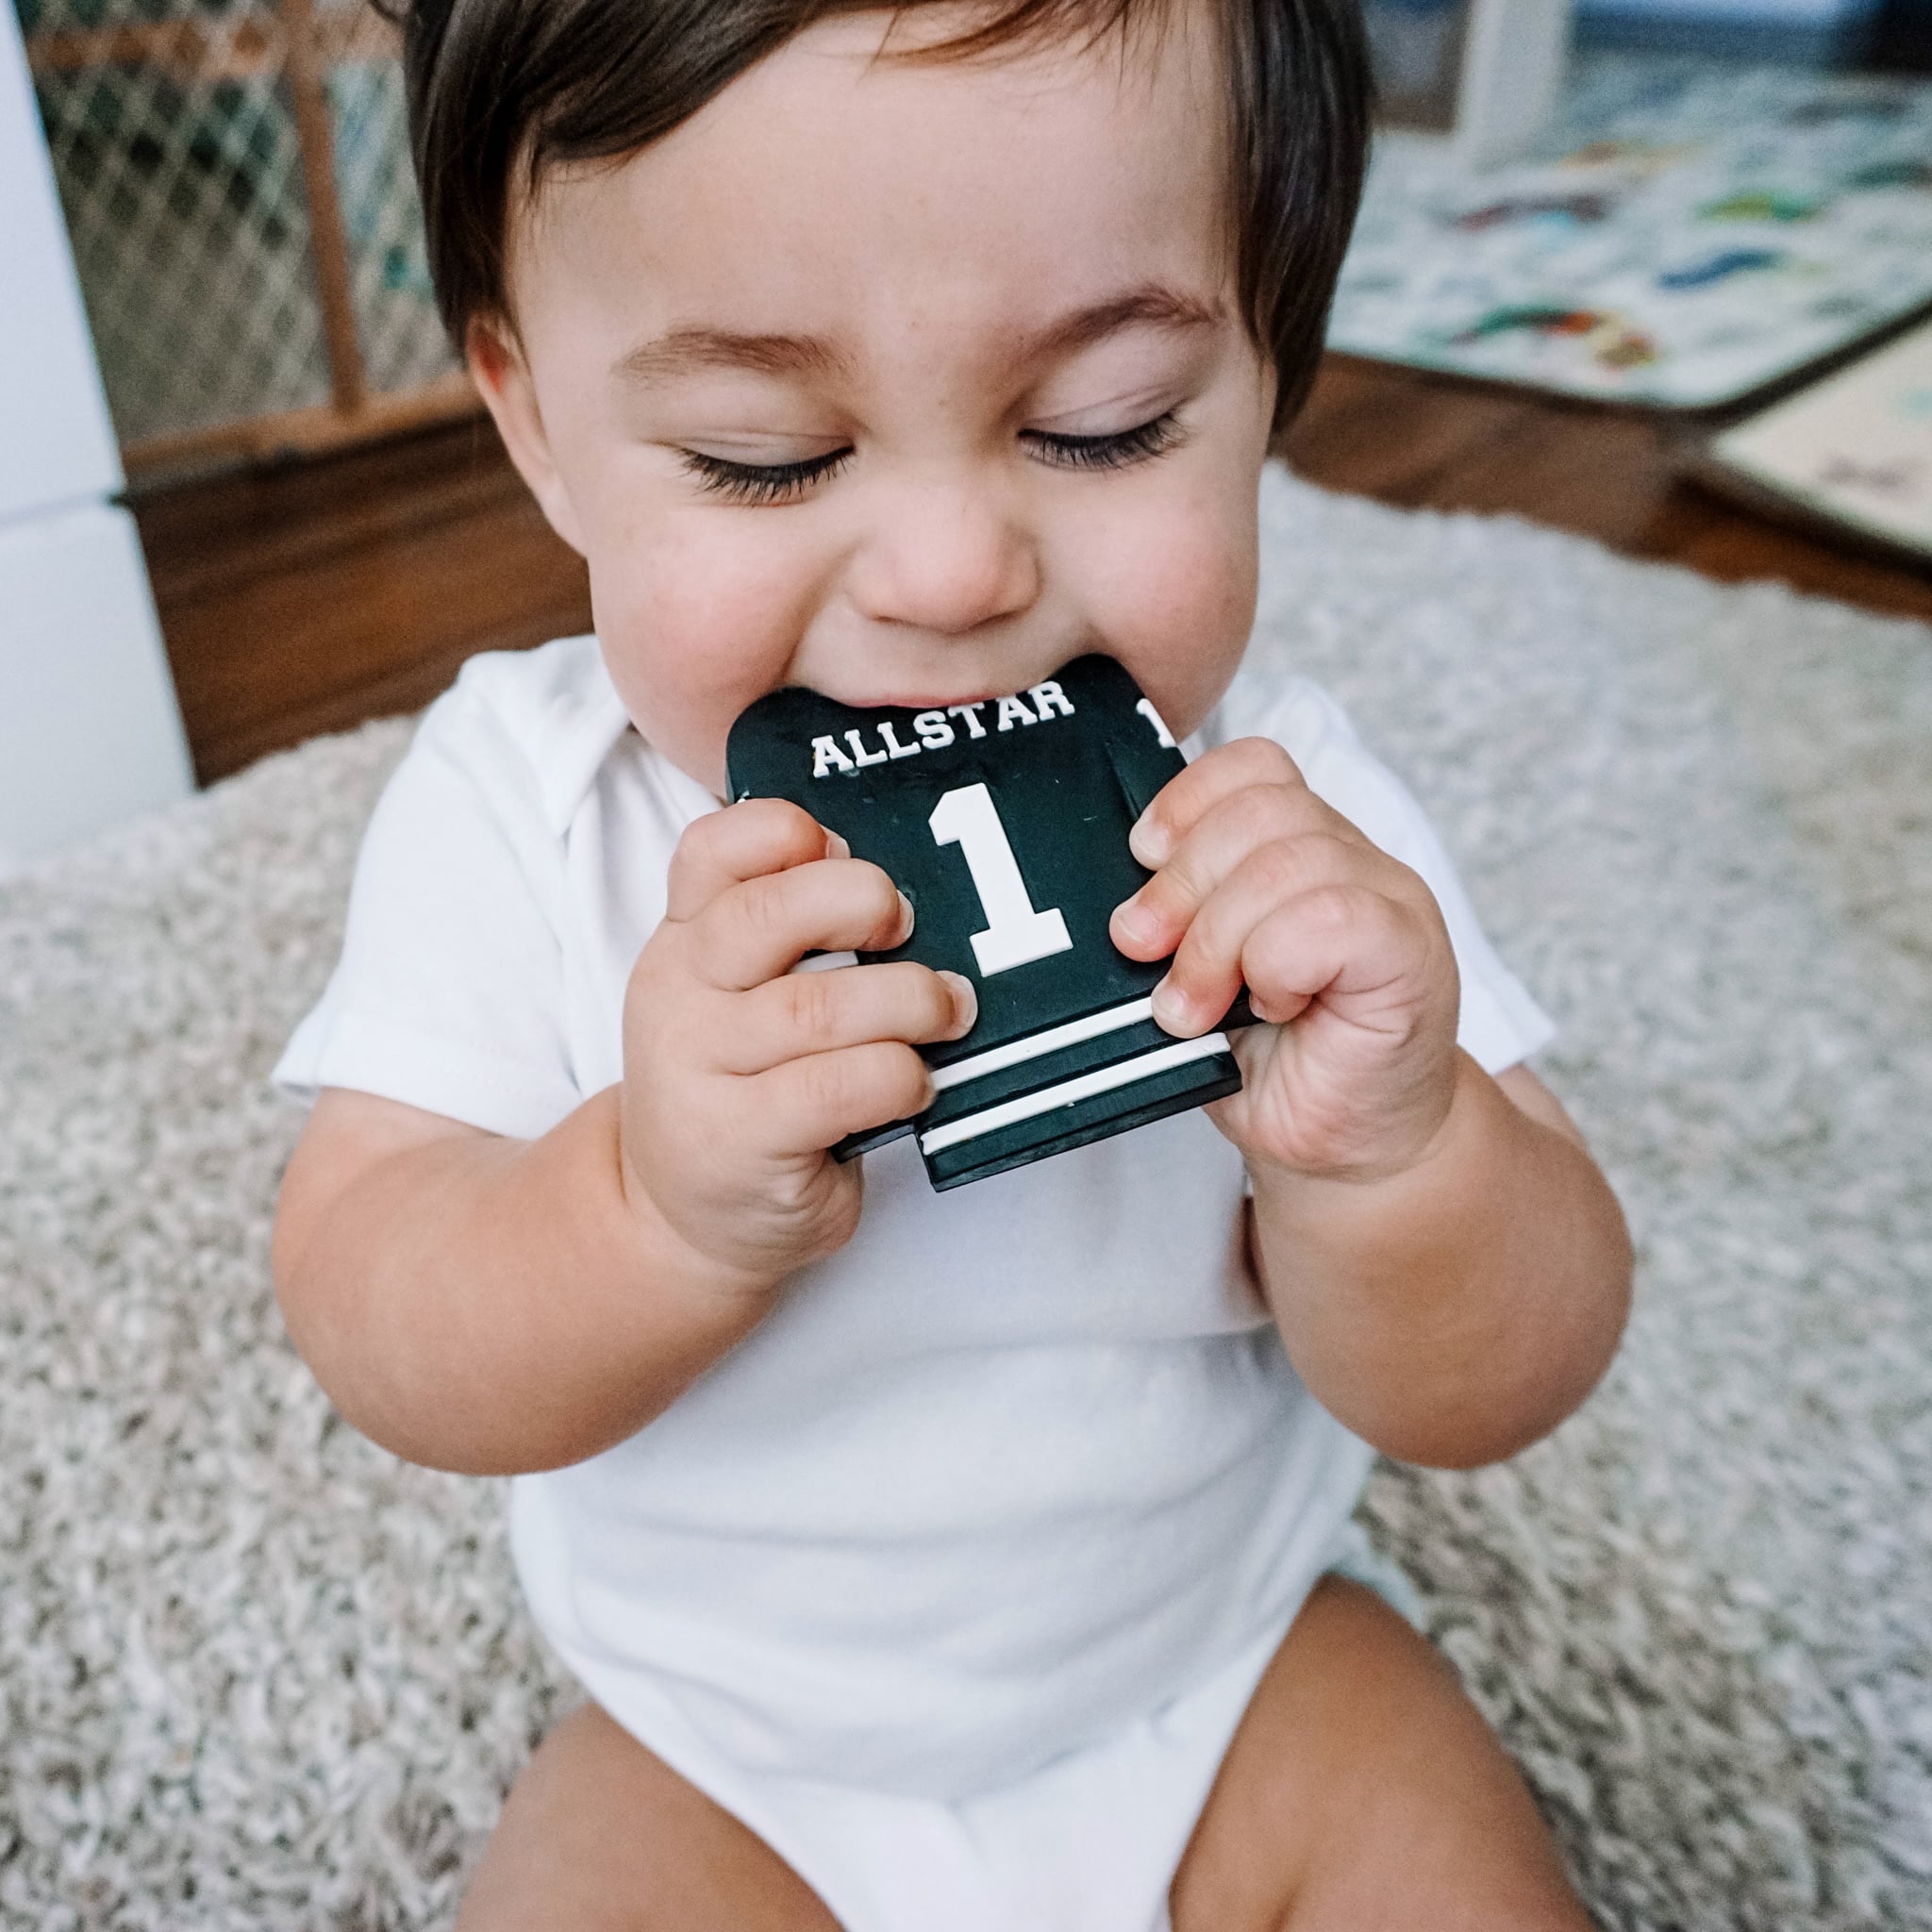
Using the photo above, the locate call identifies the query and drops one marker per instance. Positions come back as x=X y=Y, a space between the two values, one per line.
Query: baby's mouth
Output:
x=942 y=701
x=897 y=703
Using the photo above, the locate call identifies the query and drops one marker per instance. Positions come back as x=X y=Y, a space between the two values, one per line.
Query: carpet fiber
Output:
x=254 y=1672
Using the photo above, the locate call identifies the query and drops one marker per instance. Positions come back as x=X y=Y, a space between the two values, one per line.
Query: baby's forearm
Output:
x=496 y=1306
x=1455 y=1313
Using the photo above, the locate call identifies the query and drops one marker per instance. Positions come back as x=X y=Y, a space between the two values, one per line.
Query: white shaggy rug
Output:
x=256 y=1673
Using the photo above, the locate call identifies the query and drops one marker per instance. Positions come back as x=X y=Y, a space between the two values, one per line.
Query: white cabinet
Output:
x=89 y=733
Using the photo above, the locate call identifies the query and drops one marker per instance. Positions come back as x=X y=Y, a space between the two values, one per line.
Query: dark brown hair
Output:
x=496 y=86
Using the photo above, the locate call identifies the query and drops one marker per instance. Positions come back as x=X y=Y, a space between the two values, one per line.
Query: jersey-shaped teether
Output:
x=1006 y=823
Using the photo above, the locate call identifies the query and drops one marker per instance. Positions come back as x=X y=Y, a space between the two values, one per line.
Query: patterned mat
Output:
x=1696 y=231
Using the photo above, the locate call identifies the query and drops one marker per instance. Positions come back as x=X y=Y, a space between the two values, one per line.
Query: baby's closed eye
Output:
x=764 y=483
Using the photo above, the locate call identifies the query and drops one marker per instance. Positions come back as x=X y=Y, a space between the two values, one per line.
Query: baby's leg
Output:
x=1363 y=1792
x=599 y=1836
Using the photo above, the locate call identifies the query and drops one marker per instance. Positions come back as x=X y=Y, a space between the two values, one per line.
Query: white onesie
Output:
x=953 y=1579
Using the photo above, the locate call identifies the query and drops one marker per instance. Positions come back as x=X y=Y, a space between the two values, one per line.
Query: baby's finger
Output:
x=802 y=1013
x=1223 y=840
x=763 y=927
x=1206 y=970
x=1347 y=944
x=742 y=842
x=805 y=1106
x=1190 y=795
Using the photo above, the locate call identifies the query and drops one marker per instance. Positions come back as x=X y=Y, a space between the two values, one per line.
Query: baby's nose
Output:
x=944 y=557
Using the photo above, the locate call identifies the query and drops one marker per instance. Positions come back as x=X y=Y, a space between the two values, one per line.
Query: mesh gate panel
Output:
x=403 y=344
x=175 y=144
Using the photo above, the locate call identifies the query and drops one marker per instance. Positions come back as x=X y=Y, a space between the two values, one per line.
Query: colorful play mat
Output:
x=1701 y=230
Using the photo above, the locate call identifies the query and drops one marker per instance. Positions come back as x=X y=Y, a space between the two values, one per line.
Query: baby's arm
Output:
x=1449 y=1270
x=1456 y=1311
x=492 y=1304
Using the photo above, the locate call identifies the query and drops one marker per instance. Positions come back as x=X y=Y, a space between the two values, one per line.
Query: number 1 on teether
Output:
x=1015 y=933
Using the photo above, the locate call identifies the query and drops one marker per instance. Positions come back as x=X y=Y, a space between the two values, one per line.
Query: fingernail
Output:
x=836 y=847
x=1148 y=841
x=904 y=920
x=1171 y=1007
x=1134 y=920
x=965 y=1003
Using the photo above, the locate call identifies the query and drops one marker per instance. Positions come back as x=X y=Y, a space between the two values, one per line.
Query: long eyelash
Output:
x=760 y=482
x=1107 y=452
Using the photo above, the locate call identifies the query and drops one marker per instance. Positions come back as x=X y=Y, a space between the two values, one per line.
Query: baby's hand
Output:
x=1343 y=949
x=739 y=1074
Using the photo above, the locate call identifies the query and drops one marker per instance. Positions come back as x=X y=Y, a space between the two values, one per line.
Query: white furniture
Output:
x=89 y=733
x=1513 y=58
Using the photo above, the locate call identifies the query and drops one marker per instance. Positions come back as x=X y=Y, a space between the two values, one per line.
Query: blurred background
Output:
x=1619 y=270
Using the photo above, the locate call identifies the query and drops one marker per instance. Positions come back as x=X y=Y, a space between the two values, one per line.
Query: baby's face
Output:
x=905 y=382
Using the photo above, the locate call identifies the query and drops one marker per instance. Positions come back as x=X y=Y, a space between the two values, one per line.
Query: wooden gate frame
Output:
x=285 y=38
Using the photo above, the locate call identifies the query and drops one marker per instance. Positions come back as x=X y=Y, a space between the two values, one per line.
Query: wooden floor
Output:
x=310 y=597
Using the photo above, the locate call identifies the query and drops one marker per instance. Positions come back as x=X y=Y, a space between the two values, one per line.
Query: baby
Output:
x=973 y=1562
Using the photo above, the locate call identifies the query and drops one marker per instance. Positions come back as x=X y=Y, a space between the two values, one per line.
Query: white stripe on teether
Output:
x=1017 y=1052
x=1103 y=1080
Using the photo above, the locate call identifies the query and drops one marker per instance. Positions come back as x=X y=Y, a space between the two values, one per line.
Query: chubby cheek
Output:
x=693 y=629
x=1177 y=606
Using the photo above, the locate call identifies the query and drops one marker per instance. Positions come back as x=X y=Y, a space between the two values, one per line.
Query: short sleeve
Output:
x=1500 y=1025
x=448 y=995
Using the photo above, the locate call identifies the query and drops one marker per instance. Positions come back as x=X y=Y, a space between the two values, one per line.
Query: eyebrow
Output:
x=693 y=350
x=1150 y=306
